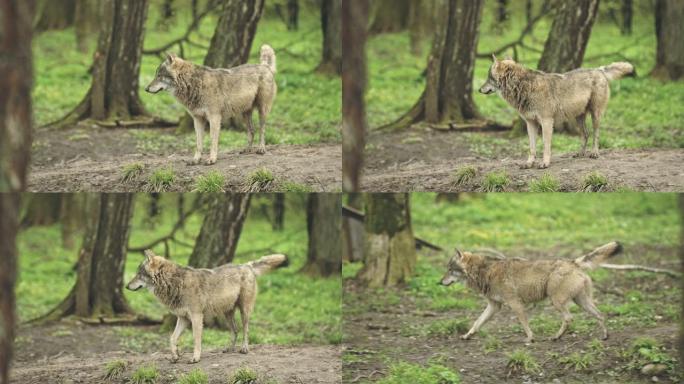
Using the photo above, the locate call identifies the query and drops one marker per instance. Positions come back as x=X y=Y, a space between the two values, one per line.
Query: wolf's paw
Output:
x=174 y=359
x=594 y=155
x=261 y=150
x=194 y=360
x=246 y=151
x=543 y=165
x=466 y=336
x=527 y=165
x=529 y=340
x=210 y=162
x=244 y=349
x=193 y=162
x=579 y=154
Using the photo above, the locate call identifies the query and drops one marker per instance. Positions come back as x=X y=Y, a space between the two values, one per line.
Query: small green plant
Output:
x=260 y=180
x=495 y=182
x=114 y=369
x=447 y=327
x=212 y=182
x=491 y=344
x=645 y=351
x=131 y=172
x=464 y=175
x=546 y=183
x=244 y=375
x=577 y=360
x=520 y=361
x=290 y=186
x=433 y=373
x=161 y=180
x=594 y=182
x=147 y=374
x=596 y=346
x=196 y=376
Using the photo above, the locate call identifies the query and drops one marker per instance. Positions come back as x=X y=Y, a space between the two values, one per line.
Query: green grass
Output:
x=576 y=360
x=147 y=374
x=546 y=183
x=290 y=186
x=464 y=175
x=495 y=182
x=243 y=375
x=433 y=373
x=642 y=112
x=114 y=369
x=196 y=376
x=521 y=361
x=212 y=182
x=292 y=308
x=307 y=108
x=260 y=180
x=594 y=182
x=161 y=180
x=443 y=328
x=131 y=172
x=646 y=350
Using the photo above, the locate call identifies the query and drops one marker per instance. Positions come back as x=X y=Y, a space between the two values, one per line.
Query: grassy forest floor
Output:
x=295 y=330
x=304 y=123
x=411 y=333
x=642 y=125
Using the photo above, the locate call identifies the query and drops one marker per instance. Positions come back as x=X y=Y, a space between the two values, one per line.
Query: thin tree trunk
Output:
x=221 y=228
x=448 y=95
x=113 y=93
x=669 y=31
x=323 y=217
x=54 y=14
x=71 y=217
x=389 y=251
x=86 y=20
x=389 y=16
x=9 y=226
x=354 y=73
x=331 y=24
x=16 y=74
x=421 y=23
x=293 y=15
x=278 y=211
x=231 y=43
x=41 y=209
x=627 y=10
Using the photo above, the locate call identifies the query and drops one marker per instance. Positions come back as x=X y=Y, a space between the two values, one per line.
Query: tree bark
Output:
x=627 y=10
x=98 y=291
x=9 y=226
x=324 y=224
x=421 y=22
x=448 y=95
x=389 y=251
x=278 y=211
x=293 y=15
x=16 y=79
x=86 y=21
x=231 y=43
x=41 y=209
x=54 y=14
x=331 y=24
x=389 y=16
x=354 y=73
x=681 y=269
x=71 y=217
x=113 y=93
x=221 y=228
x=670 y=47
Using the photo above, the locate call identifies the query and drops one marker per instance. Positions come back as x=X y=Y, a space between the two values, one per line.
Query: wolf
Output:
x=191 y=294
x=544 y=99
x=213 y=94
x=516 y=282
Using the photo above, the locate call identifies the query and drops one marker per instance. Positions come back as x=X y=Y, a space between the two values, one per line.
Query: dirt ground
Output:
x=70 y=352
x=425 y=160
x=378 y=333
x=93 y=160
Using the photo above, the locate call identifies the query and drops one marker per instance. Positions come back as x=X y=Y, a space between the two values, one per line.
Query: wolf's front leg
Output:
x=214 y=130
x=492 y=308
x=532 y=128
x=200 y=125
x=197 y=323
x=262 y=133
x=181 y=324
x=547 y=133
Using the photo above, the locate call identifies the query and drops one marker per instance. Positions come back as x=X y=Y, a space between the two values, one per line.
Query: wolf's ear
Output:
x=171 y=57
x=459 y=254
x=494 y=59
x=148 y=255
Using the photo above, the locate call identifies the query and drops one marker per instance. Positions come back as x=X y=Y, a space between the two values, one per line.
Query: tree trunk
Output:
x=113 y=93
x=324 y=219
x=681 y=268
x=669 y=32
x=41 y=209
x=98 y=291
x=278 y=211
x=16 y=74
x=420 y=23
x=231 y=43
x=292 y=15
x=71 y=217
x=86 y=21
x=9 y=226
x=567 y=41
x=221 y=228
x=627 y=10
x=54 y=14
x=389 y=251
x=389 y=16
x=331 y=24
x=448 y=95
x=354 y=72
x=167 y=14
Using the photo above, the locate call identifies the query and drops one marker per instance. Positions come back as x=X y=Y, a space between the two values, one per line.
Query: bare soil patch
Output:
x=93 y=160
x=425 y=160
x=70 y=352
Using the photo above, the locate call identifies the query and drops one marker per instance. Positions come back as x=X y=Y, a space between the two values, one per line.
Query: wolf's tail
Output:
x=618 y=70
x=267 y=263
x=268 y=57
x=592 y=259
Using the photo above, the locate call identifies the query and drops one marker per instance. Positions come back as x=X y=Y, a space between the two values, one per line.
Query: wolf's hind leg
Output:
x=181 y=324
x=230 y=318
x=262 y=131
x=214 y=129
x=199 y=124
x=584 y=300
x=250 y=131
x=492 y=308
x=562 y=307
x=197 y=320
x=547 y=135
x=596 y=125
x=582 y=125
x=245 y=312
x=532 y=128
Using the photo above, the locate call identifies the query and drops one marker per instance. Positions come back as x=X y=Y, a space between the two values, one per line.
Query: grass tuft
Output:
x=448 y=327
x=161 y=180
x=594 y=182
x=260 y=180
x=546 y=183
x=290 y=186
x=464 y=175
x=212 y=182
x=520 y=361
x=131 y=172
x=114 y=369
x=577 y=360
x=495 y=182
x=244 y=375
x=433 y=373
x=147 y=374
x=196 y=376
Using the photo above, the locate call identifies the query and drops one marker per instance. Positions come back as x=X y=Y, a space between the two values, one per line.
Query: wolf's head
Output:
x=166 y=75
x=143 y=278
x=454 y=269
x=493 y=83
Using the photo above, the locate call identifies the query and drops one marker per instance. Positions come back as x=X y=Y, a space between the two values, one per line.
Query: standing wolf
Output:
x=543 y=99
x=191 y=293
x=213 y=94
x=516 y=282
